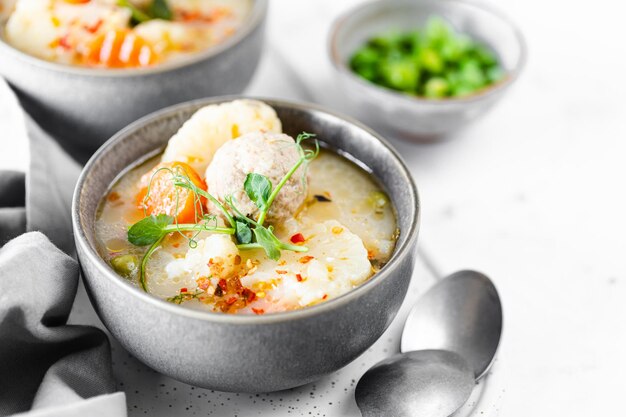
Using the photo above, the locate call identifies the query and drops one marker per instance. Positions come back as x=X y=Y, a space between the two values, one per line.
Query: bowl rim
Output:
x=399 y=253
x=493 y=89
x=256 y=16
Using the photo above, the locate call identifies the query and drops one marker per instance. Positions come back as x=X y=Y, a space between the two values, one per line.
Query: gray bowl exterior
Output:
x=83 y=107
x=409 y=116
x=246 y=353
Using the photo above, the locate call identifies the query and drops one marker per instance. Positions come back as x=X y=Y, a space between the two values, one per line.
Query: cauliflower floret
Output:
x=268 y=154
x=335 y=263
x=214 y=256
x=31 y=28
x=212 y=126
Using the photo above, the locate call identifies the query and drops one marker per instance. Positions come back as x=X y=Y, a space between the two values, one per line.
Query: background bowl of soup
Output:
x=85 y=105
x=247 y=353
x=424 y=115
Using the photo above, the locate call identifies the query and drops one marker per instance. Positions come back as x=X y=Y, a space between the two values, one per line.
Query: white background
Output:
x=533 y=194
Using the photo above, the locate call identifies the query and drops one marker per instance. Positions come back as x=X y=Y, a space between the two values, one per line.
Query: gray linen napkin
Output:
x=43 y=361
x=12 y=205
x=46 y=366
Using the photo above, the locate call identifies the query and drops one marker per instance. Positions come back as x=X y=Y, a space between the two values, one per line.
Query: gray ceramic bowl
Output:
x=246 y=353
x=84 y=107
x=409 y=116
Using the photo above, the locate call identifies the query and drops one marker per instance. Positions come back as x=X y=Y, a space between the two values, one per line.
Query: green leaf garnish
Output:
x=149 y=230
x=268 y=241
x=159 y=9
x=258 y=188
x=242 y=232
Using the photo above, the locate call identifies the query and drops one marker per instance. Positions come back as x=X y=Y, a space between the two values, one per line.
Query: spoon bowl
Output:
x=463 y=314
x=420 y=383
x=449 y=342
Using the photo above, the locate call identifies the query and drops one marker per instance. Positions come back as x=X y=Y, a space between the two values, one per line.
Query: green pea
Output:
x=472 y=74
x=385 y=41
x=485 y=56
x=456 y=48
x=364 y=57
x=125 y=265
x=378 y=200
x=437 y=31
x=401 y=74
x=463 y=90
x=495 y=74
x=369 y=73
x=430 y=60
x=436 y=87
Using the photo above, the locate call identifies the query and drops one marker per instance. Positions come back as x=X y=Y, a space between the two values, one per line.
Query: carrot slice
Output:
x=166 y=198
x=120 y=49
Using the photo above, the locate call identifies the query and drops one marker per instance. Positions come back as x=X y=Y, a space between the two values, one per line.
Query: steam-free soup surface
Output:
x=343 y=206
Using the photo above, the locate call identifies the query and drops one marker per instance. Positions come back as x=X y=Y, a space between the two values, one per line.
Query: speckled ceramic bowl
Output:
x=84 y=107
x=414 y=117
x=246 y=353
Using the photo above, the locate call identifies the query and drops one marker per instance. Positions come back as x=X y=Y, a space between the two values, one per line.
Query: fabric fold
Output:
x=12 y=205
x=44 y=361
x=49 y=188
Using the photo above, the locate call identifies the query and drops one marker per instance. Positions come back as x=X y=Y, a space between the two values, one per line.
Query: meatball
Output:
x=269 y=154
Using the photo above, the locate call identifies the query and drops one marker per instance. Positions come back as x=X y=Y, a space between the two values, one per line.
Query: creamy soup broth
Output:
x=342 y=199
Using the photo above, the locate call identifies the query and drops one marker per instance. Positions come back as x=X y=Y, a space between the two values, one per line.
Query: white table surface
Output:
x=533 y=195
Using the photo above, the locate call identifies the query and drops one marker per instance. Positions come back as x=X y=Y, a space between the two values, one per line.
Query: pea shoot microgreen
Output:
x=249 y=233
x=185 y=296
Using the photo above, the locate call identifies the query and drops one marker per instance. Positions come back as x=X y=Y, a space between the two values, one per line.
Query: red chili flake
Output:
x=305 y=259
x=64 y=42
x=184 y=289
x=258 y=311
x=222 y=284
x=297 y=238
x=248 y=294
x=231 y=300
x=299 y=278
x=281 y=271
x=176 y=245
x=94 y=28
x=325 y=296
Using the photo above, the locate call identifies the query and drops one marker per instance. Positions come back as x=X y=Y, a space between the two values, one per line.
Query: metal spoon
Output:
x=421 y=384
x=462 y=314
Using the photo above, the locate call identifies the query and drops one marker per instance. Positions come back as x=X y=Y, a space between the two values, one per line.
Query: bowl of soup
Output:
x=246 y=245
x=92 y=67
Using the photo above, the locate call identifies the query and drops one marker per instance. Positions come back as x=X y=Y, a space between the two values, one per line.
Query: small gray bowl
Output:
x=246 y=353
x=409 y=116
x=83 y=107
